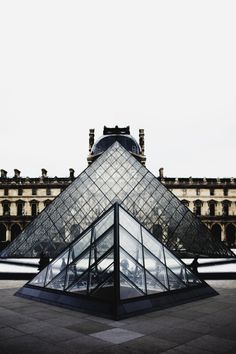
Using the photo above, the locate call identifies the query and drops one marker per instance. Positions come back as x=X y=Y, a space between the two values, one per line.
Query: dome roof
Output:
x=126 y=140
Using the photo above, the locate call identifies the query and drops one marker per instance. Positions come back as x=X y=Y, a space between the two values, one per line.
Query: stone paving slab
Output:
x=206 y=326
x=117 y=335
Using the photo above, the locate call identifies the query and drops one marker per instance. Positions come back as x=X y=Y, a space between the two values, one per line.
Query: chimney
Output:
x=44 y=172
x=161 y=172
x=141 y=140
x=91 y=139
x=16 y=173
x=72 y=174
x=3 y=174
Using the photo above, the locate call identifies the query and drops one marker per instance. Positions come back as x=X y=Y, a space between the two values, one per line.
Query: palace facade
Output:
x=213 y=200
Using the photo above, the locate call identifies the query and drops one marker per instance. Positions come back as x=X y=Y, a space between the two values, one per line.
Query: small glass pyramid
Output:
x=116 y=176
x=115 y=263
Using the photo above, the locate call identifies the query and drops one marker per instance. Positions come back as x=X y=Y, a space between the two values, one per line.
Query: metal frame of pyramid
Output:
x=116 y=176
x=116 y=268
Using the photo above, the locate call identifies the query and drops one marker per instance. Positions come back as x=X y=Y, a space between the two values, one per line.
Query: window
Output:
x=5 y=191
x=198 y=210
x=198 y=191
x=185 y=202
x=34 y=191
x=48 y=191
x=225 y=191
x=33 y=209
x=47 y=202
x=6 y=208
x=212 y=191
x=20 y=191
x=198 y=207
x=19 y=209
x=212 y=209
x=225 y=207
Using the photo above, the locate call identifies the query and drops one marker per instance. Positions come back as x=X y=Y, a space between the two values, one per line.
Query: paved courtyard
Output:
x=205 y=326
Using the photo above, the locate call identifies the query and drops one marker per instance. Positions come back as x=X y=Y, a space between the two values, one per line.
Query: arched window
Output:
x=212 y=207
x=185 y=202
x=15 y=231
x=47 y=202
x=216 y=232
x=225 y=207
x=20 y=207
x=198 y=207
x=6 y=207
x=3 y=232
x=34 y=207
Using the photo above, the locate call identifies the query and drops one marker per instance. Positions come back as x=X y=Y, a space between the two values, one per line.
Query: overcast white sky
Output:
x=166 y=66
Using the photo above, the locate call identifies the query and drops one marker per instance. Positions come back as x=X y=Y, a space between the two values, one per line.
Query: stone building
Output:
x=213 y=200
x=22 y=198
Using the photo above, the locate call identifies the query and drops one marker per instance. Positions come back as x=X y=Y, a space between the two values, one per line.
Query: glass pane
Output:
x=105 y=243
x=131 y=246
x=153 y=286
x=175 y=266
x=130 y=224
x=132 y=271
x=99 y=274
x=102 y=246
x=81 y=285
x=57 y=266
x=58 y=283
x=153 y=245
x=156 y=268
x=81 y=264
x=80 y=246
x=128 y=290
x=104 y=224
x=174 y=282
x=39 y=280
x=192 y=279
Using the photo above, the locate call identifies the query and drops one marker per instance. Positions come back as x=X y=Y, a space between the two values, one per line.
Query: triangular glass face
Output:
x=146 y=264
x=118 y=257
x=116 y=176
x=86 y=263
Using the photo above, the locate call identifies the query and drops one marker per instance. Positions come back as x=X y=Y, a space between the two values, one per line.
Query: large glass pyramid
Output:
x=116 y=176
x=118 y=267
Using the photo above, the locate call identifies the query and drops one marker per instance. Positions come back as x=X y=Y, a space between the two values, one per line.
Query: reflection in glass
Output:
x=57 y=266
x=132 y=271
x=130 y=225
x=153 y=245
x=127 y=289
x=131 y=245
x=155 y=268
x=153 y=286
x=175 y=266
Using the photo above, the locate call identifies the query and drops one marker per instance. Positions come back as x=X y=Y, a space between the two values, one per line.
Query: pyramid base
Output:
x=123 y=308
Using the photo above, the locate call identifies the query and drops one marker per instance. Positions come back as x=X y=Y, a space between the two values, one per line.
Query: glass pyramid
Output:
x=116 y=176
x=114 y=261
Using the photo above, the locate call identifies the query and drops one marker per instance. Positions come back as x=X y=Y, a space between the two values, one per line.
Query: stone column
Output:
x=223 y=233
x=8 y=233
